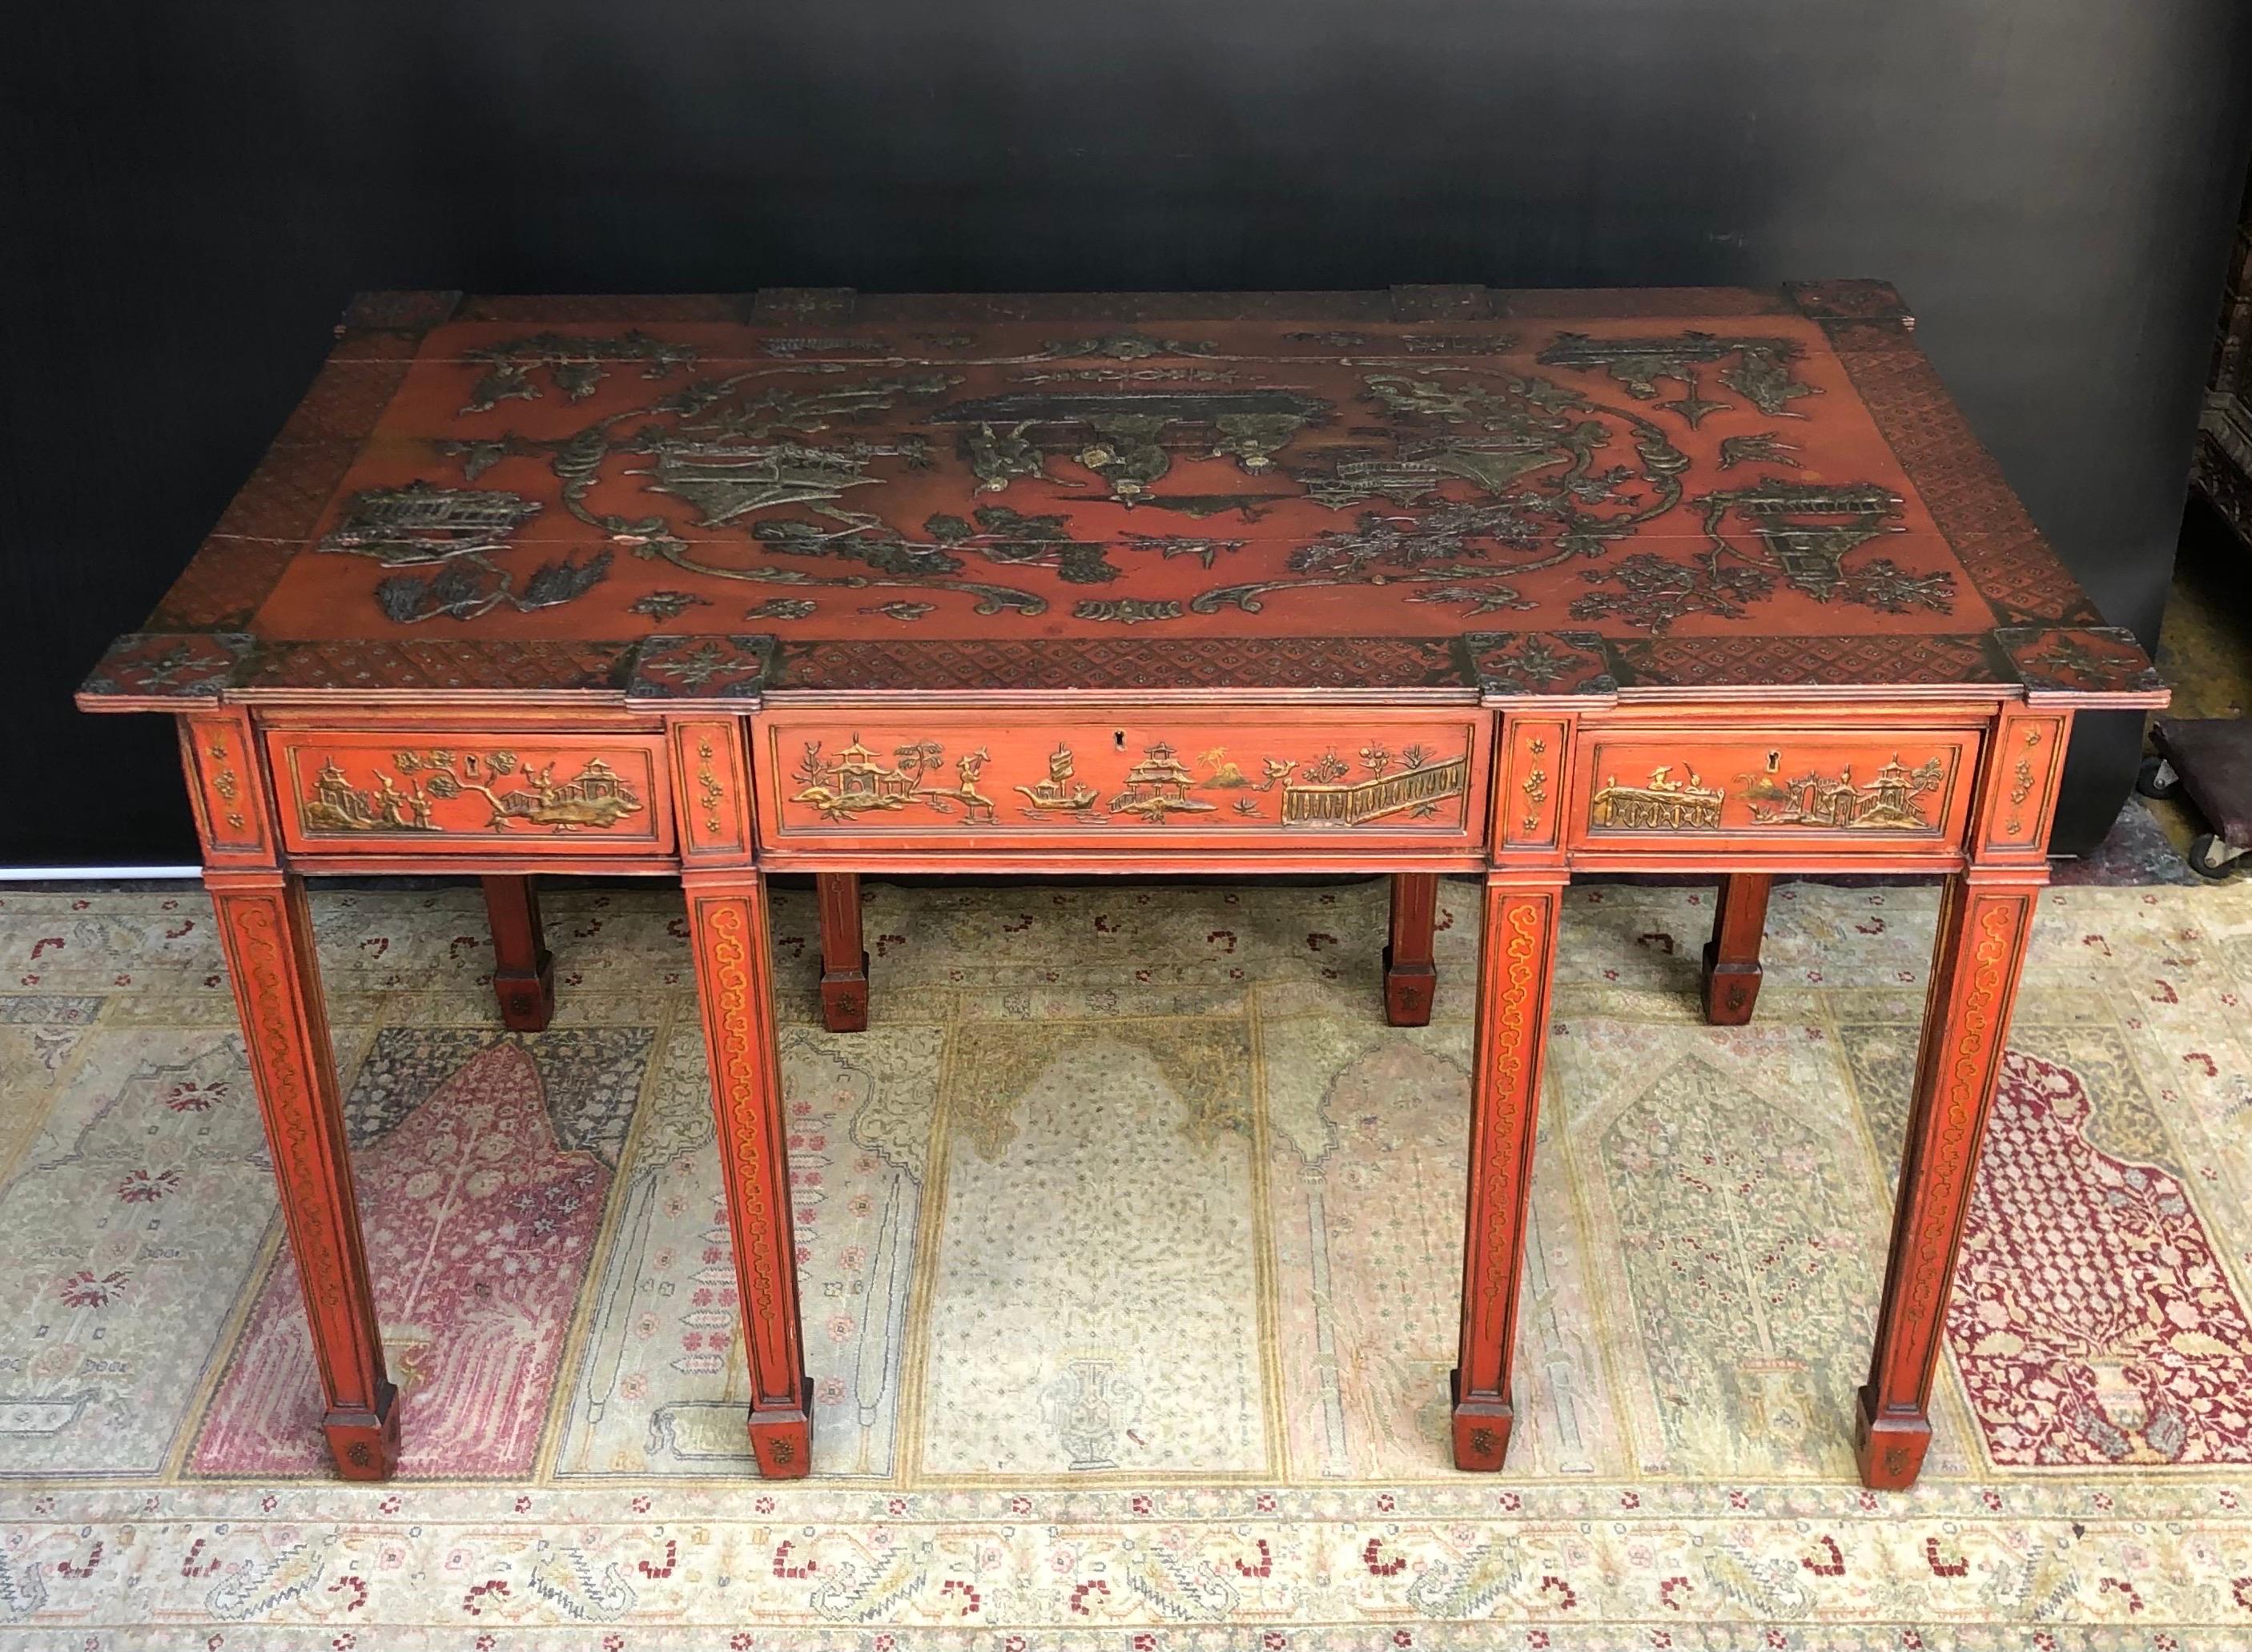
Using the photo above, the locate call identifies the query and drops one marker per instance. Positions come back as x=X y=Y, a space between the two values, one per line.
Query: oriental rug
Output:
x=1129 y=1237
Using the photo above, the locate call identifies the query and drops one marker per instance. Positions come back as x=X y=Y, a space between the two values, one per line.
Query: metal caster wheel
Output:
x=2210 y=857
x=2157 y=778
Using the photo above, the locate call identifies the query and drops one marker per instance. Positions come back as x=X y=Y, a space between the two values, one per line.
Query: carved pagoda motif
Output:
x=857 y=780
x=595 y=796
x=1159 y=787
x=1887 y=801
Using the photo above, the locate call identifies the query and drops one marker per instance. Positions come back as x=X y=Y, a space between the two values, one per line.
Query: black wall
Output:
x=192 y=191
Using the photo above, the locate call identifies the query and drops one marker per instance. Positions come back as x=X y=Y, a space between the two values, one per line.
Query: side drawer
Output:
x=1835 y=791
x=342 y=790
x=1032 y=779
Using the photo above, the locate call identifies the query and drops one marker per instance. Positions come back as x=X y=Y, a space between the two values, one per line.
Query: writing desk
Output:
x=1434 y=579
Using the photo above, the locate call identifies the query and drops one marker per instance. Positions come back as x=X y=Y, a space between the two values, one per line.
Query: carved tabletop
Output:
x=1427 y=488
x=1516 y=583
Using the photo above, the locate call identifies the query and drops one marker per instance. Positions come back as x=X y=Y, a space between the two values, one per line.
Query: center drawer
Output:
x=1149 y=778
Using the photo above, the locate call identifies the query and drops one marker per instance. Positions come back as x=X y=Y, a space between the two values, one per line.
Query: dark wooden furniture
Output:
x=2221 y=469
x=1435 y=579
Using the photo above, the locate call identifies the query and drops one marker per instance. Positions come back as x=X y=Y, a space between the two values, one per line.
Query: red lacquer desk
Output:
x=1436 y=579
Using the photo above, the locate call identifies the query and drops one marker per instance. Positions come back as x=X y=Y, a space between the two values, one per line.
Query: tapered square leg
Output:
x=1411 y=981
x=728 y=931
x=267 y=933
x=1516 y=964
x=843 y=957
x=1983 y=924
x=523 y=973
x=1732 y=957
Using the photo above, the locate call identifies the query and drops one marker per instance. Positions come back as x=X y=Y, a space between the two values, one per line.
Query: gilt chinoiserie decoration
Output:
x=341 y=787
x=595 y=797
x=1707 y=786
x=1433 y=580
x=1187 y=775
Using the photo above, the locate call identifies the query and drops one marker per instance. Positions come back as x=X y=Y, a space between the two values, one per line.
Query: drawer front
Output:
x=1837 y=792
x=345 y=791
x=1147 y=777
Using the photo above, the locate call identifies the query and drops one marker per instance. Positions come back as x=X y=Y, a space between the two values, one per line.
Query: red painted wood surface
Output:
x=932 y=778
x=337 y=790
x=1435 y=579
x=843 y=954
x=1517 y=964
x=1411 y=980
x=524 y=970
x=1983 y=931
x=267 y=936
x=1731 y=969
x=1315 y=492
x=728 y=936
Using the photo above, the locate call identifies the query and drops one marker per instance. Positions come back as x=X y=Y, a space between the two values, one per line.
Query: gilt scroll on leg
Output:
x=727 y=929
x=1516 y=964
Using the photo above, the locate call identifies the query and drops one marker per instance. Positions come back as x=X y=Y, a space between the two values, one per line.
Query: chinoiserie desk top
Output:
x=1433 y=488
x=1439 y=579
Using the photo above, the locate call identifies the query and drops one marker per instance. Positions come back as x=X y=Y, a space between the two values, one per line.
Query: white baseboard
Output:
x=93 y=874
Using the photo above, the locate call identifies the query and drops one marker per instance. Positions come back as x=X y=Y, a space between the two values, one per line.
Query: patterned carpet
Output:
x=1129 y=1238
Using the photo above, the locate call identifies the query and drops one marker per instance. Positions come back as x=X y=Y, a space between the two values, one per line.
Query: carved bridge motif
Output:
x=855 y=779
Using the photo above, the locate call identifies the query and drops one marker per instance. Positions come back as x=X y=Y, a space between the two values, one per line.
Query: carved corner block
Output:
x=1509 y=665
x=1852 y=301
x=732 y=670
x=405 y=312
x=161 y=670
x=2092 y=664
